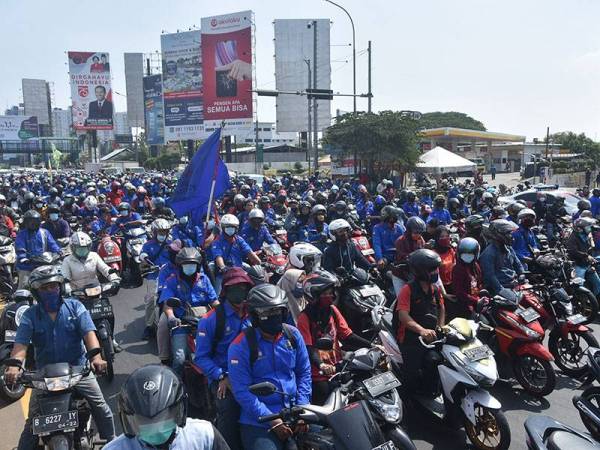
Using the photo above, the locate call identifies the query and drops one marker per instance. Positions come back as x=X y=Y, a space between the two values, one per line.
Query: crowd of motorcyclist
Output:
x=434 y=249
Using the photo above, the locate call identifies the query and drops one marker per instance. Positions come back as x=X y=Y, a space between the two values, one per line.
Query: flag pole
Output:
x=214 y=180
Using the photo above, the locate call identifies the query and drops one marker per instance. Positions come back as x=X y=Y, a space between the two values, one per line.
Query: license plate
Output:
x=389 y=445
x=381 y=383
x=478 y=353
x=576 y=319
x=280 y=232
x=529 y=314
x=136 y=241
x=110 y=259
x=10 y=335
x=101 y=311
x=43 y=425
x=367 y=291
x=368 y=252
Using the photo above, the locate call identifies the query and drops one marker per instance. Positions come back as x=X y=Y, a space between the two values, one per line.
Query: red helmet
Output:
x=115 y=185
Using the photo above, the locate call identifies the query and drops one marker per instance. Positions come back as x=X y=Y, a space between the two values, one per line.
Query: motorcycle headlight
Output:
x=577 y=280
x=391 y=413
x=529 y=332
x=58 y=383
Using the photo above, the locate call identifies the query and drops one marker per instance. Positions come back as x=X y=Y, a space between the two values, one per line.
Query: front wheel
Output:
x=586 y=304
x=592 y=395
x=108 y=354
x=535 y=374
x=490 y=431
x=400 y=439
x=569 y=351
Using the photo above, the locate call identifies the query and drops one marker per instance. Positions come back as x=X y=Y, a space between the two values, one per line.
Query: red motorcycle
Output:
x=274 y=261
x=516 y=337
x=110 y=252
x=362 y=244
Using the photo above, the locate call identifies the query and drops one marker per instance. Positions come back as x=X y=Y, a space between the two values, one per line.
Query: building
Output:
x=134 y=77
x=267 y=135
x=121 y=126
x=16 y=110
x=62 y=122
x=37 y=101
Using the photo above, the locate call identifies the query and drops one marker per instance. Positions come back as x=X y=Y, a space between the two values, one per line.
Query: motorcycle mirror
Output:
x=324 y=343
x=173 y=302
x=430 y=321
x=13 y=362
x=263 y=389
x=484 y=293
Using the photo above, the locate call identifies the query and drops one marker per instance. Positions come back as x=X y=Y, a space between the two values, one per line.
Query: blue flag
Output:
x=192 y=193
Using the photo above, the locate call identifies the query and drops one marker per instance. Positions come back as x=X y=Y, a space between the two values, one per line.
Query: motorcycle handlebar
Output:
x=269 y=417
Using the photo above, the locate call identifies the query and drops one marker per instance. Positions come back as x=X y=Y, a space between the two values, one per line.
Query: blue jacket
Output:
x=165 y=271
x=213 y=365
x=499 y=267
x=364 y=208
x=59 y=229
x=443 y=215
x=28 y=244
x=269 y=215
x=200 y=294
x=595 y=201
x=411 y=209
x=132 y=217
x=157 y=253
x=316 y=237
x=255 y=238
x=233 y=253
x=99 y=226
x=190 y=235
x=523 y=239
x=384 y=239
x=279 y=363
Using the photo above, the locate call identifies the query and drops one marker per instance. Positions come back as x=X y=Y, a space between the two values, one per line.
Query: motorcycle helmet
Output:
x=474 y=223
x=305 y=256
x=415 y=225
x=256 y=216
x=160 y=229
x=28 y=197
x=439 y=201
x=390 y=212
x=410 y=196
x=90 y=203
x=584 y=224
x=453 y=203
x=423 y=263
x=39 y=202
x=334 y=189
x=81 y=244
x=152 y=403
x=239 y=199
x=265 y=298
x=584 y=204
x=264 y=201
x=318 y=282
x=43 y=275
x=501 y=231
x=256 y=274
x=141 y=191
x=229 y=224
x=124 y=209
x=32 y=220
x=526 y=213
x=189 y=259
x=514 y=208
x=158 y=203
x=337 y=227
x=498 y=212
x=468 y=250
x=340 y=206
x=318 y=209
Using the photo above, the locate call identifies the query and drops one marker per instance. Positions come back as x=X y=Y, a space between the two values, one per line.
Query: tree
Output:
x=578 y=143
x=450 y=119
x=386 y=136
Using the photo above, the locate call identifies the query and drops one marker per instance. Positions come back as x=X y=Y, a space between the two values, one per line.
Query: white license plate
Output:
x=136 y=241
x=110 y=259
x=10 y=335
x=478 y=353
x=389 y=445
x=280 y=232
x=529 y=314
x=44 y=425
x=368 y=252
x=367 y=291
x=381 y=383
x=576 y=319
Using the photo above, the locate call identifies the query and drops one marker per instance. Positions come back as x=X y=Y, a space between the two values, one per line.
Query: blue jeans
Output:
x=257 y=438
x=592 y=278
x=179 y=351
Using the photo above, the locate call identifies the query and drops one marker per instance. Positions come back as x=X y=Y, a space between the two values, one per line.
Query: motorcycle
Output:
x=95 y=299
x=545 y=433
x=9 y=322
x=274 y=261
x=279 y=233
x=362 y=244
x=110 y=252
x=134 y=238
x=515 y=334
x=588 y=403
x=8 y=258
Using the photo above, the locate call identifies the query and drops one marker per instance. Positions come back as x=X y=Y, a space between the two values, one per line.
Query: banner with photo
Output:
x=182 y=85
x=227 y=71
x=91 y=93
x=18 y=128
x=153 y=110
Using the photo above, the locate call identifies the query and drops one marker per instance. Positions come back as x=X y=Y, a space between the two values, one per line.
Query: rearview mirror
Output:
x=262 y=389
x=430 y=321
x=484 y=293
x=324 y=343
x=173 y=302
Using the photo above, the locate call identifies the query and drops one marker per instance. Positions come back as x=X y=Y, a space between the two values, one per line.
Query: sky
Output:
x=518 y=66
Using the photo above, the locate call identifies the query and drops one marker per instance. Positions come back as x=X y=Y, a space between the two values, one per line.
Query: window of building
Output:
x=249 y=140
x=266 y=140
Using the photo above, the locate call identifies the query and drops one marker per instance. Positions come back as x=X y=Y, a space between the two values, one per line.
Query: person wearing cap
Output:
x=212 y=345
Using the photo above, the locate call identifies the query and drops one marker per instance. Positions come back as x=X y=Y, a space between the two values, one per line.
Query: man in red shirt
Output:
x=115 y=196
x=410 y=241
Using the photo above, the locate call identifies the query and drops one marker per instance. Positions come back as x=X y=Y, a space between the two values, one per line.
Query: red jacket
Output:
x=405 y=245
x=115 y=198
x=467 y=281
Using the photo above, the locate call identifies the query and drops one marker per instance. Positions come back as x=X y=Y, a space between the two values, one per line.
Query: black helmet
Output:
x=124 y=206
x=318 y=209
x=340 y=206
x=265 y=297
x=264 y=200
x=422 y=262
x=29 y=196
x=498 y=212
x=474 y=222
x=596 y=192
x=53 y=208
x=454 y=203
x=32 y=220
x=415 y=225
x=470 y=246
x=151 y=394
x=584 y=204
x=514 y=208
x=390 y=212
x=439 y=200
x=188 y=255
x=501 y=231
x=43 y=275
x=318 y=282
x=257 y=273
x=410 y=196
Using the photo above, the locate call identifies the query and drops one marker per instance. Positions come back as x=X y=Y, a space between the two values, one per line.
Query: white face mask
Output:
x=124 y=213
x=467 y=258
x=230 y=231
x=189 y=269
x=160 y=237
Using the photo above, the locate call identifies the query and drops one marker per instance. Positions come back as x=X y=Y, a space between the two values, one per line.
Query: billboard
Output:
x=153 y=106
x=134 y=72
x=91 y=94
x=227 y=71
x=18 y=128
x=294 y=44
x=182 y=85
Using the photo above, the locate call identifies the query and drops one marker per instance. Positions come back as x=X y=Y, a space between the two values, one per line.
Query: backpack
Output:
x=253 y=343
x=219 y=328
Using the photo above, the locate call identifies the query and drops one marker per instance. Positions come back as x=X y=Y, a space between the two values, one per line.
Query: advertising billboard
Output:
x=91 y=94
x=18 y=128
x=227 y=71
x=134 y=72
x=153 y=106
x=294 y=45
x=182 y=85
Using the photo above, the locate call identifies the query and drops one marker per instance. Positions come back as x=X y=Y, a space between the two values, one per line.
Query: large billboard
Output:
x=134 y=72
x=294 y=46
x=18 y=128
x=227 y=71
x=182 y=85
x=91 y=94
x=153 y=105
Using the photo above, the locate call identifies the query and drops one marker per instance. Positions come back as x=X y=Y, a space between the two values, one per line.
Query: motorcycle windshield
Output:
x=354 y=428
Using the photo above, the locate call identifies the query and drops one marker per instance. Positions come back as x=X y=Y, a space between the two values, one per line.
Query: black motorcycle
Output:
x=545 y=433
x=588 y=403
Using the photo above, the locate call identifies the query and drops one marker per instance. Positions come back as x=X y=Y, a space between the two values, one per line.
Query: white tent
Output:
x=439 y=160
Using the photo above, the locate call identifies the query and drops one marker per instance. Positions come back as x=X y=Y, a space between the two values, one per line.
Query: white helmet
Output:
x=229 y=220
x=526 y=212
x=80 y=239
x=2 y=198
x=301 y=250
x=160 y=225
x=256 y=214
x=337 y=225
x=90 y=202
x=335 y=188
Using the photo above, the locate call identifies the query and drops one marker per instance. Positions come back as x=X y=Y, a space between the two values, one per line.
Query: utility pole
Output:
x=315 y=105
x=308 y=132
x=547 y=140
x=369 y=78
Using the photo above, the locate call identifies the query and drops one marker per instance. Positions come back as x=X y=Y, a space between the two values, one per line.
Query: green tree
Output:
x=578 y=143
x=450 y=119
x=386 y=136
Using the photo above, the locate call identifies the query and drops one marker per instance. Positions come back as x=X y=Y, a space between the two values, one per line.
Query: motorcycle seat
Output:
x=333 y=403
x=561 y=440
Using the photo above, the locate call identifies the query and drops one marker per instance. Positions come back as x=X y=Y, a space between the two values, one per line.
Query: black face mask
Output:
x=272 y=324
x=237 y=294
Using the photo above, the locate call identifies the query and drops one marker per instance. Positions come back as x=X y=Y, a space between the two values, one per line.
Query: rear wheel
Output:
x=490 y=431
x=592 y=395
x=108 y=354
x=586 y=304
x=536 y=375
x=569 y=351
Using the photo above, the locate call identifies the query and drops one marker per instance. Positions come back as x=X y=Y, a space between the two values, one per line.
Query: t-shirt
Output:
x=404 y=304
x=448 y=262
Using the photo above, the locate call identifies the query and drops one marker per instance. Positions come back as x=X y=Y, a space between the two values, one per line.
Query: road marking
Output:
x=25 y=403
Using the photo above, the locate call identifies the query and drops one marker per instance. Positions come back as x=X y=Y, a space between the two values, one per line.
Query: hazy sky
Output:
x=516 y=65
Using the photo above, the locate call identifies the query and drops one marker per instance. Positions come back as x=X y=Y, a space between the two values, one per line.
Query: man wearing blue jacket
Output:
x=189 y=234
x=216 y=330
x=440 y=212
x=272 y=351
x=254 y=232
x=524 y=240
x=385 y=235
x=32 y=241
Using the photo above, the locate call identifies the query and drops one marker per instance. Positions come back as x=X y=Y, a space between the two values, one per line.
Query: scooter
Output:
x=8 y=258
x=588 y=403
x=516 y=336
x=135 y=238
x=362 y=244
x=545 y=433
x=110 y=252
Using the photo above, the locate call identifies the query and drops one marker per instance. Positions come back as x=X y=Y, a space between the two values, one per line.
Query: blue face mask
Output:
x=189 y=269
x=124 y=213
x=161 y=237
x=53 y=217
x=50 y=300
x=157 y=433
x=183 y=220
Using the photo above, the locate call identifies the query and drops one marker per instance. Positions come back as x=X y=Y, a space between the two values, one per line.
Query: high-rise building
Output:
x=267 y=135
x=62 y=122
x=121 y=125
x=15 y=110
x=37 y=101
x=134 y=77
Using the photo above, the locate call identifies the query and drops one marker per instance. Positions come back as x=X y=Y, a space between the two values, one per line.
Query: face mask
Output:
x=325 y=301
x=82 y=252
x=229 y=231
x=237 y=294
x=123 y=213
x=587 y=230
x=157 y=433
x=467 y=258
x=39 y=205
x=271 y=325
x=161 y=237
x=444 y=242
x=53 y=217
x=189 y=269
x=50 y=300
x=183 y=220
